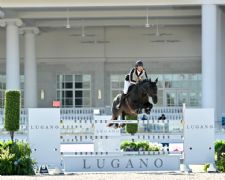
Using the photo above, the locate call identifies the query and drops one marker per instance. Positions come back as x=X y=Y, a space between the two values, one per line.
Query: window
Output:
x=170 y=98
x=116 y=85
x=3 y=88
x=74 y=90
x=173 y=89
x=182 y=88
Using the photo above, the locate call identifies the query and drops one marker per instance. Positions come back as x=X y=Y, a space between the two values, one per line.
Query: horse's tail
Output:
x=116 y=101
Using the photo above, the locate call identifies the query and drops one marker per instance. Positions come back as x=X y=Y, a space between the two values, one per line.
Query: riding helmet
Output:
x=139 y=63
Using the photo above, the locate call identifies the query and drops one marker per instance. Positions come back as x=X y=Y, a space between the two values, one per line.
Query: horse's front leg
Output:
x=139 y=111
x=112 y=119
x=148 y=107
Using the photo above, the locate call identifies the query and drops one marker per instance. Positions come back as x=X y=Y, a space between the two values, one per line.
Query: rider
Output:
x=136 y=74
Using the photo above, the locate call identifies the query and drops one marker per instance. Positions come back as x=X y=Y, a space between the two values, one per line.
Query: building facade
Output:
x=78 y=53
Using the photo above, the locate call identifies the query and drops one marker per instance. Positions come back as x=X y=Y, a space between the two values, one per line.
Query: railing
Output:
x=77 y=114
x=23 y=121
x=81 y=121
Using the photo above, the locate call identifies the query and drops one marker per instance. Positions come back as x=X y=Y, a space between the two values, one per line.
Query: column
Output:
x=30 y=67
x=2 y=14
x=12 y=52
x=220 y=79
x=223 y=58
x=209 y=25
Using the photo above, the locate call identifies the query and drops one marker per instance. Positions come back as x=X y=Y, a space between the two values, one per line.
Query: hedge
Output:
x=138 y=146
x=12 y=111
x=131 y=128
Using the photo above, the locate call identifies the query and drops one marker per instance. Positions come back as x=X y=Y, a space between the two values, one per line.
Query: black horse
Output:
x=136 y=100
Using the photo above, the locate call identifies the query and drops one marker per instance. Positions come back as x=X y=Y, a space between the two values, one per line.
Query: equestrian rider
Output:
x=135 y=75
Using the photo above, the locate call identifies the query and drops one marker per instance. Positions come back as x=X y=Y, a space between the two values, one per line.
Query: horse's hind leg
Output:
x=123 y=118
x=116 y=126
x=122 y=125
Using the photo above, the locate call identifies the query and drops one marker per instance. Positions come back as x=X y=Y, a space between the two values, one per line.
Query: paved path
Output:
x=123 y=176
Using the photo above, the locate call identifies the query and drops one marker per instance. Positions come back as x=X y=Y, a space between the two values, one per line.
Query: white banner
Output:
x=199 y=136
x=44 y=135
x=121 y=163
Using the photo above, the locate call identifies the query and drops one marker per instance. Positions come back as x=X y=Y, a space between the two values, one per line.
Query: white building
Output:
x=79 y=52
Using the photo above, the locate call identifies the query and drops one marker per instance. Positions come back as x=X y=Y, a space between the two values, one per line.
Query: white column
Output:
x=219 y=65
x=209 y=25
x=2 y=14
x=12 y=52
x=30 y=67
x=223 y=60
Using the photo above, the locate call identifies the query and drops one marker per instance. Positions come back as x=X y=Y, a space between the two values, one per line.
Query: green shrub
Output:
x=221 y=163
x=128 y=146
x=6 y=162
x=131 y=128
x=124 y=145
x=133 y=146
x=138 y=146
x=219 y=149
x=15 y=159
x=143 y=146
x=153 y=147
x=220 y=155
x=206 y=166
x=12 y=111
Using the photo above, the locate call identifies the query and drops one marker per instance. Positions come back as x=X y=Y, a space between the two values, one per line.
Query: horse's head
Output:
x=152 y=90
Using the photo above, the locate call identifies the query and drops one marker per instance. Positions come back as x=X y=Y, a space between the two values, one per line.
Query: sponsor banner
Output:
x=199 y=136
x=121 y=163
x=44 y=135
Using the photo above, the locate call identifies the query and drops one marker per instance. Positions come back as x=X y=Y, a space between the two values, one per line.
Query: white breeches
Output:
x=126 y=86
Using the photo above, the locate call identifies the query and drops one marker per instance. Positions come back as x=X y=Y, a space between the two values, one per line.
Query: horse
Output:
x=136 y=99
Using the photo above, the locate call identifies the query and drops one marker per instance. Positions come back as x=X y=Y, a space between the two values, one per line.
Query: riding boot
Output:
x=121 y=100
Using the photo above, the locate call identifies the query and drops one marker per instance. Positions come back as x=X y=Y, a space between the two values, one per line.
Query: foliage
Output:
x=206 y=166
x=12 y=111
x=220 y=155
x=138 y=146
x=6 y=162
x=219 y=148
x=153 y=147
x=143 y=146
x=125 y=145
x=131 y=128
x=221 y=163
x=15 y=159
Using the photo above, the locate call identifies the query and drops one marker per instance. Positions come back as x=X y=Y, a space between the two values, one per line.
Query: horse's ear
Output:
x=156 y=80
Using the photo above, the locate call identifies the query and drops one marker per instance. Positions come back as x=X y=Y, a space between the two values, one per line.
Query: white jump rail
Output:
x=107 y=141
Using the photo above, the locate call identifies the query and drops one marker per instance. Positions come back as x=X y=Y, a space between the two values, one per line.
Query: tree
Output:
x=12 y=111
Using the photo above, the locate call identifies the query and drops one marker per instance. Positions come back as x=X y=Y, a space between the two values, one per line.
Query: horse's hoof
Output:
x=116 y=126
x=122 y=125
x=109 y=125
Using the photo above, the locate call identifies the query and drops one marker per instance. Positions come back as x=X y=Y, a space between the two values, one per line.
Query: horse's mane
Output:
x=143 y=81
x=140 y=83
